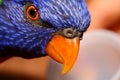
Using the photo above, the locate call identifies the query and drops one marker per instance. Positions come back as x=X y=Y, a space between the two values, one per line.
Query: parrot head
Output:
x=34 y=28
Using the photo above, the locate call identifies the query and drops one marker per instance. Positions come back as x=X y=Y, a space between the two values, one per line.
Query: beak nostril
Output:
x=70 y=33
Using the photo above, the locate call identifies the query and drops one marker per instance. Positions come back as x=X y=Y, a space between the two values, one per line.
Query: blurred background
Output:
x=99 y=57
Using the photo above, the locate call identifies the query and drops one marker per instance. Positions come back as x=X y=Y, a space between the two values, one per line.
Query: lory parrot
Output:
x=36 y=28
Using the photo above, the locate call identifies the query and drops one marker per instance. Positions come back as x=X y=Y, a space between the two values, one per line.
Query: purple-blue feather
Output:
x=17 y=33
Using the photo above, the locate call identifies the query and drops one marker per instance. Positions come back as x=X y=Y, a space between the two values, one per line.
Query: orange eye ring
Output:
x=32 y=13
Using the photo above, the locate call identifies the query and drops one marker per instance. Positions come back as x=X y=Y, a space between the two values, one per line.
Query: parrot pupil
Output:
x=32 y=13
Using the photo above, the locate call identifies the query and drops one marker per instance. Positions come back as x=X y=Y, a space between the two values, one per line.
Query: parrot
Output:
x=37 y=28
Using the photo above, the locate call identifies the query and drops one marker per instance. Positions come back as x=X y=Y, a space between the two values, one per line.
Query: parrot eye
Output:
x=32 y=13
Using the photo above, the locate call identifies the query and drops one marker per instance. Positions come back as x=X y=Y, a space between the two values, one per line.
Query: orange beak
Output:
x=63 y=50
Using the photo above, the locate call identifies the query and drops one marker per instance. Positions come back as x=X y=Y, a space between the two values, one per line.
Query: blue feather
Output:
x=17 y=32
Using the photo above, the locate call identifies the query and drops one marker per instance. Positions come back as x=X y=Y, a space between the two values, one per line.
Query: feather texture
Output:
x=22 y=37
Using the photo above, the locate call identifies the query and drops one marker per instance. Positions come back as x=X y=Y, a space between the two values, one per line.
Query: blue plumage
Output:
x=23 y=37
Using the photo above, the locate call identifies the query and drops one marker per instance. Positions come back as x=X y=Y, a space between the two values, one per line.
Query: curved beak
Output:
x=63 y=50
